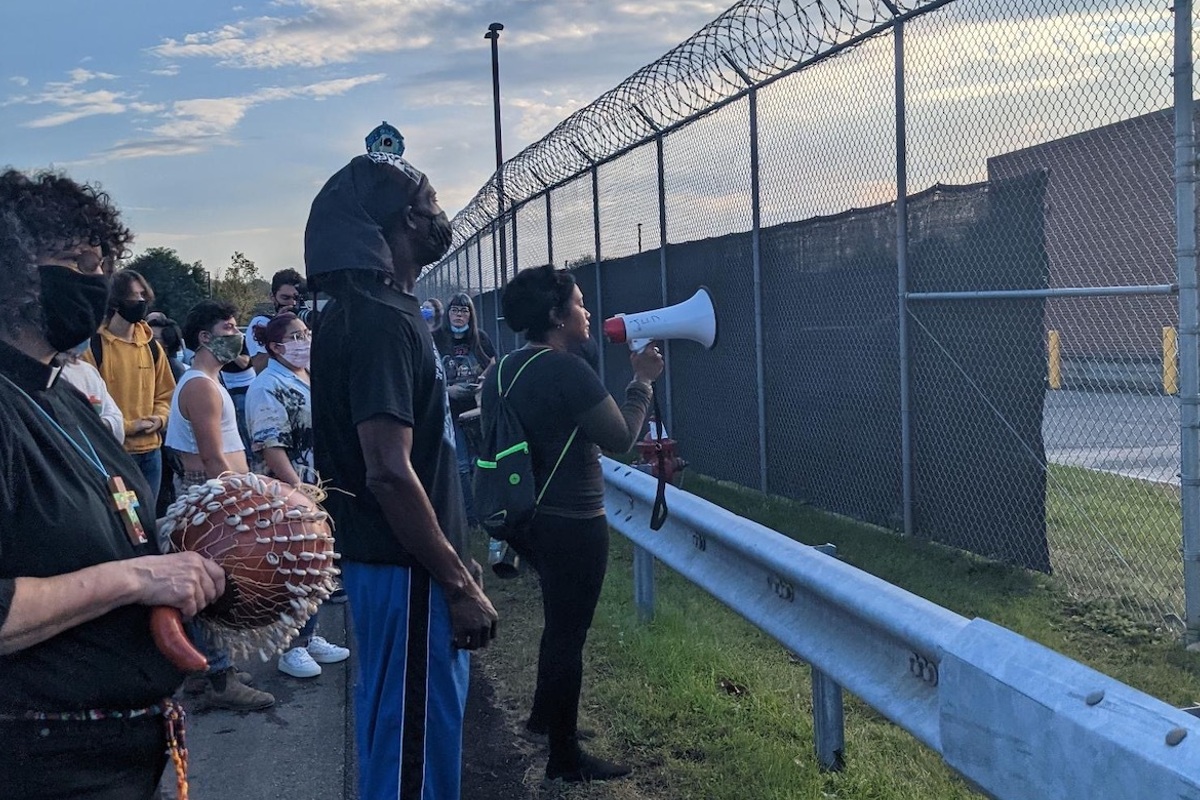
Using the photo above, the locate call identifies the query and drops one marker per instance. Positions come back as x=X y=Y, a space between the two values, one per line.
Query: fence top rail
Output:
x=758 y=40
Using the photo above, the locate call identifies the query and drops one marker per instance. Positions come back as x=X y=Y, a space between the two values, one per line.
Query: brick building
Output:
x=1110 y=221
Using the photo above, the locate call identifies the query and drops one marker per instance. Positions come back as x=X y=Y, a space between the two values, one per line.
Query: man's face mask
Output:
x=73 y=305
x=435 y=245
x=226 y=348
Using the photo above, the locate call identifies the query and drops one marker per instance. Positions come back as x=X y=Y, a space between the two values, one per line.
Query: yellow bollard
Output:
x=1054 y=361
x=1170 y=368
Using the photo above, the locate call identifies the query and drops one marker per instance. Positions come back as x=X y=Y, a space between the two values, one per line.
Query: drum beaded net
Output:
x=275 y=544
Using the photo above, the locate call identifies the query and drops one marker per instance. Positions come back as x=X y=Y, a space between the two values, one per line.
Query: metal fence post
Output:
x=756 y=271
x=497 y=251
x=596 y=231
x=906 y=467
x=515 y=268
x=549 y=231
x=662 y=273
x=1189 y=314
x=756 y=257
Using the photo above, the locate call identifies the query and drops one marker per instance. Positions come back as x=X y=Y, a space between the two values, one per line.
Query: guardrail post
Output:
x=829 y=731
x=643 y=583
x=829 y=718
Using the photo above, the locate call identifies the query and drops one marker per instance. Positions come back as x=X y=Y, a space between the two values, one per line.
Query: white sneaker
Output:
x=325 y=653
x=299 y=664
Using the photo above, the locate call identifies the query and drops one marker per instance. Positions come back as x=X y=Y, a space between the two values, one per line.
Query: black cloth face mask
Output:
x=73 y=305
x=437 y=243
x=133 y=312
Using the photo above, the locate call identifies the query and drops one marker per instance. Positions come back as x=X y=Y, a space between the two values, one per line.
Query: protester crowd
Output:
x=103 y=398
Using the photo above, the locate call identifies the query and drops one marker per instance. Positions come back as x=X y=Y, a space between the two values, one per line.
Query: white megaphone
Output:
x=694 y=319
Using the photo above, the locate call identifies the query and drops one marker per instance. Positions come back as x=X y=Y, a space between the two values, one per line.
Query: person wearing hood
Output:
x=384 y=442
x=135 y=370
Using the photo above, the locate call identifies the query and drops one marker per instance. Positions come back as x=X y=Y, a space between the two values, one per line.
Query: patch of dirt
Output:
x=496 y=761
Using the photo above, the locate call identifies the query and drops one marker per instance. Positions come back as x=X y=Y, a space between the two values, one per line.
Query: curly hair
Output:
x=532 y=295
x=59 y=214
x=54 y=214
x=19 y=285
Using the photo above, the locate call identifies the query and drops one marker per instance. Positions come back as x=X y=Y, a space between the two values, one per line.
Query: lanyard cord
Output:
x=90 y=457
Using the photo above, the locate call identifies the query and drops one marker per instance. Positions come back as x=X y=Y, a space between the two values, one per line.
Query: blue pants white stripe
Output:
x=411 y=687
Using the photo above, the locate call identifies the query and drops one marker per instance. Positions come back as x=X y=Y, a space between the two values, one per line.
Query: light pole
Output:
x=493 y=33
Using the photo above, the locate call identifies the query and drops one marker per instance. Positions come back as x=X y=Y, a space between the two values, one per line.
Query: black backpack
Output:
x=504 y=488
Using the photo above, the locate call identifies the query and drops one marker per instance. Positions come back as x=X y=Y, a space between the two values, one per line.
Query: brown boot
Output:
x=226 y=691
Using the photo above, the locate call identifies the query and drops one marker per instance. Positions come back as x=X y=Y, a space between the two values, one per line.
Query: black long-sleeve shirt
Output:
x=58 y=518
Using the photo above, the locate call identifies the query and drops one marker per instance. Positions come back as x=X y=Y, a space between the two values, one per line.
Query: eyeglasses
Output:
x=298 y=336
x=459 y=310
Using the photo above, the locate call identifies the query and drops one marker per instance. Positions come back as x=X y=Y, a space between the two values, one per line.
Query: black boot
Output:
x=571 y=765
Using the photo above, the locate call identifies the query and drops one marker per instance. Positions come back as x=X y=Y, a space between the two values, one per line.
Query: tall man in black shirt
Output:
x=384 y=436
x=82 y=684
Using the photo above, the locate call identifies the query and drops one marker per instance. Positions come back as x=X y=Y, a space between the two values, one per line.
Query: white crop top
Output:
x=181 y=436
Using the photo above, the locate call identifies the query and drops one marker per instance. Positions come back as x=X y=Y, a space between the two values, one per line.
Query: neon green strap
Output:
x=500 y=372
x=561 y=456
x=516 y=448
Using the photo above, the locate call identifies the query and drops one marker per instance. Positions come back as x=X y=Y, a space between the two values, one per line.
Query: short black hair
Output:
x=203 y=316
x=287 y=277
x=172 y=337
x=532 y=295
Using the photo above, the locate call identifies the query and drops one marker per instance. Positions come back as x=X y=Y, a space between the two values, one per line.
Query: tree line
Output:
x=179 y=285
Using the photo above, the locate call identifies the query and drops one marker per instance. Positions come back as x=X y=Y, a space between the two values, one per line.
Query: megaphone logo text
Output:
x=694 y=319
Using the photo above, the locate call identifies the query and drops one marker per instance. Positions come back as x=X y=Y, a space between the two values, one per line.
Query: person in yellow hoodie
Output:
x=136 y=371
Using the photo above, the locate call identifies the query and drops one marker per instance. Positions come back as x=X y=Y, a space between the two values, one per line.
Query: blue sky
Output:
x=214 y=124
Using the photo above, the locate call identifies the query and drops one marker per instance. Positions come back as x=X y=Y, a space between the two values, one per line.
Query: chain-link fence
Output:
x=942 y=241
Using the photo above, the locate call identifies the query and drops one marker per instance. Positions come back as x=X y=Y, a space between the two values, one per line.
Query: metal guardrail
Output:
x=1014 y=718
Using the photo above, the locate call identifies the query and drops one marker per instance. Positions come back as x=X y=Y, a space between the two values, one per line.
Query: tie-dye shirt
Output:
x=279 y=414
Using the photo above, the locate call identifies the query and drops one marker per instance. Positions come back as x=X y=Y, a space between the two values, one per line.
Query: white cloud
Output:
x=77 y=101
x=169 y=71
x=214 y=117
x=19 y=80
x=326 y=32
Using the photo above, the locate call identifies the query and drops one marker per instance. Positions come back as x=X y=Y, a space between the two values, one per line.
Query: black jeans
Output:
x=110 y=759
x=570 y=557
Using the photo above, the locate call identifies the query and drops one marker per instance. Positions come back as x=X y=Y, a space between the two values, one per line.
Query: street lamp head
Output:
x=495 y=26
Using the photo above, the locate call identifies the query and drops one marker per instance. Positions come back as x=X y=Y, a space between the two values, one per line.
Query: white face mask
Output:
x=298 y=354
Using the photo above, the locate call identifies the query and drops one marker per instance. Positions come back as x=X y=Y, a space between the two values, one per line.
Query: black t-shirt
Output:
x=549 y=397
x=374 y=356
x=463 y=363
x=57 y=518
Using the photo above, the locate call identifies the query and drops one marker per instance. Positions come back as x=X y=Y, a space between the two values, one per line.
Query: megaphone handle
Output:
x=658 y=516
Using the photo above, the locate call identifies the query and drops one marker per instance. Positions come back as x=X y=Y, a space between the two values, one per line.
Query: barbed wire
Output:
x=758 y=38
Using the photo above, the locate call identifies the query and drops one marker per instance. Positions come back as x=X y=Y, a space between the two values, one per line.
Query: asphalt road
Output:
x=1126 y=434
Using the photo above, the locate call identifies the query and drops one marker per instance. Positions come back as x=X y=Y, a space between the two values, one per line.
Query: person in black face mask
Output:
x=383 y=435
x=137 y=373
x=83 y=687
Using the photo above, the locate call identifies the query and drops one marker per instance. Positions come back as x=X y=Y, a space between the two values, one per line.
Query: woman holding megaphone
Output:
x=568 y=416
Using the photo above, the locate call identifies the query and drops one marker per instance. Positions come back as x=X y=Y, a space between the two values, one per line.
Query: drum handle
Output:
x=166 y=627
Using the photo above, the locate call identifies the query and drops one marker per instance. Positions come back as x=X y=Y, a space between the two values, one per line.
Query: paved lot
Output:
x=1126 y=434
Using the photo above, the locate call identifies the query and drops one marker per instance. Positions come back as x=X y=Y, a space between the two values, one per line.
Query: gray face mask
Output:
x=226 y=348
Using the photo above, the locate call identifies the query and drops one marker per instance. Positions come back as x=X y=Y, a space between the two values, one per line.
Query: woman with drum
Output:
x=83 y=688
x=566 y=412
